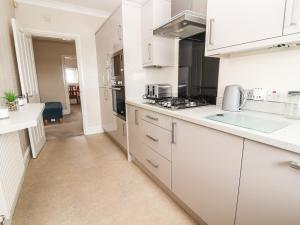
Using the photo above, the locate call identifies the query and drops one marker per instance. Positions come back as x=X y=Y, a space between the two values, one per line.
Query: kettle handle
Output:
x=244 y=97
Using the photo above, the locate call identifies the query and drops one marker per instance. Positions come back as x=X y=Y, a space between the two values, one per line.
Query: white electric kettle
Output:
x=234 y=98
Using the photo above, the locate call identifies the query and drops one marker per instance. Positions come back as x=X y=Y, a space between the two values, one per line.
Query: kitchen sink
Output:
x=250 y=122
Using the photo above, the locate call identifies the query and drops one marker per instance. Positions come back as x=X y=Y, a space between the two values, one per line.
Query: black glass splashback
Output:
x=198 y=75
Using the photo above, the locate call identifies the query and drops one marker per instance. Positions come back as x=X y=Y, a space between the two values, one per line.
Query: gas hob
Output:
x=177 y=103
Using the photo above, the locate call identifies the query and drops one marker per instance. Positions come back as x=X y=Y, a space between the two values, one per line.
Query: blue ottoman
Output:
x=53 y=110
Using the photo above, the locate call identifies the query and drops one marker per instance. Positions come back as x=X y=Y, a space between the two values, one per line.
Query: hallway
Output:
x=71 y=126
x=86 y=180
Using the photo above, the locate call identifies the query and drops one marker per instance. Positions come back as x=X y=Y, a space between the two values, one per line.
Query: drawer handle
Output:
x=294 y=165
x=173 y=133
x=136 y=117
x=152 y=138
x=155 y=165
x=152 y=118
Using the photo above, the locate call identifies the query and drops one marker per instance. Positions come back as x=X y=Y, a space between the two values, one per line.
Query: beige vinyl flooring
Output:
x=88 y=181
x=71 y=126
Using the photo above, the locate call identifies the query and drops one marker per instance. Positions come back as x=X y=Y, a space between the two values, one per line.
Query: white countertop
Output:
x=287 y=138
x=25 y=117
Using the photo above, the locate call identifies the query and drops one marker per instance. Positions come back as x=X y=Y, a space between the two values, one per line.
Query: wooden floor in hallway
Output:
x=87 y=180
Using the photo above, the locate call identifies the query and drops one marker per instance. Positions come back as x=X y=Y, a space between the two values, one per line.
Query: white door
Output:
x=28 y=81
x=292 y=17
x=234 y=22
x=269 y=186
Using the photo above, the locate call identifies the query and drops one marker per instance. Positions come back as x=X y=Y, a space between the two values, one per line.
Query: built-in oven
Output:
x=117 y=83
x=118 y=97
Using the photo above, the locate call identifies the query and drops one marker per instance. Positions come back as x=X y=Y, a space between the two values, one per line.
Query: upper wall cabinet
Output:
x=292 y=17
x=235 y=22
x=157 y=51
x=117 y=30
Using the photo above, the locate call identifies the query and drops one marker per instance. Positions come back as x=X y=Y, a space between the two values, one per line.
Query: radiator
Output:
x=11 y=172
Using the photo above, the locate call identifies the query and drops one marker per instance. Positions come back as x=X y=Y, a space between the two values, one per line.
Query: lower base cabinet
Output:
x=206 y=170
x=270 y=186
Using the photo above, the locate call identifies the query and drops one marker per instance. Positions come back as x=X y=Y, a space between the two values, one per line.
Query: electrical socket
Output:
x=257 y=94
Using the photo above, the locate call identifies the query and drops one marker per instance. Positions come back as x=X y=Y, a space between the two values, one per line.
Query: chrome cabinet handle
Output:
x=294 y=165
x=173 y=132
x=152 y=138
x=211 y=22
x=120 y=32
x=149 y=51
x=155 y=165
x=151 y=117
x=136 y=117
x=124 y=125
x=293 y=23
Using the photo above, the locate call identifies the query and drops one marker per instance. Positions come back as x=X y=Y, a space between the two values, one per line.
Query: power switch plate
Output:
x=257 y=94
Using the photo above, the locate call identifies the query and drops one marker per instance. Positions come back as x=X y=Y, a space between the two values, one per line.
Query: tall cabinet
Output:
x=109 y=39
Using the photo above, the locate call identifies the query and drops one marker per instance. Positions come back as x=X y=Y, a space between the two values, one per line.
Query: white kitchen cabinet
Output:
x=235 y=22
x=292 y=17
x=206 y=167
x=121 y=132
x=134 y=132
x=117 y=30
x=270 y=184
x=106 y=110
x=156 y=51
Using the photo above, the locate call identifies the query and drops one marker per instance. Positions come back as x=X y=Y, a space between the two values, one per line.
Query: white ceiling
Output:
x=105 y=5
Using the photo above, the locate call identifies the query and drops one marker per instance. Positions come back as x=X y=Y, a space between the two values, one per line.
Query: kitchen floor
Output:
x=88 y=181
x=71 y=126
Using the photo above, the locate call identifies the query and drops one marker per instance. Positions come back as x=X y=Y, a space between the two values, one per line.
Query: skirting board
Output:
x=26 y=156
x=93 y=130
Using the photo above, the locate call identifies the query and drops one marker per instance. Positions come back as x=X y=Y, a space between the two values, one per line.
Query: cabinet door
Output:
x=147 y=29
x=292 y=17
x=134 y=133
x=117 y=30
x=235 y=22
x=205 y=171
x=269 y=189
x=121 y=133
x=106 y=109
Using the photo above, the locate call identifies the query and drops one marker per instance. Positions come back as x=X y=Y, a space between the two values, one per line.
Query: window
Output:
x=72 y=75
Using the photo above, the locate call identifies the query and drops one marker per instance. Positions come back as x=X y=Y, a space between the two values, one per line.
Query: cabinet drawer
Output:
x=157 y=138
x=157 y=165
x=157 y=119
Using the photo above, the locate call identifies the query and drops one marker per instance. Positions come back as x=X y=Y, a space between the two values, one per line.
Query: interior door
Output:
x=28 y=81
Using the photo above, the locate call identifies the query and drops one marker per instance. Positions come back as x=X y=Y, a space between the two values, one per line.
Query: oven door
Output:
x=118 y=97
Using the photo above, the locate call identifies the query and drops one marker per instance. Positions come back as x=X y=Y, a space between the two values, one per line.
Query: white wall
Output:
x=9 y=77
x=270 y=69
x=54 y=20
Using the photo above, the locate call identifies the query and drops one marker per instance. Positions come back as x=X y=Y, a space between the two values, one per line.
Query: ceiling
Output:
x=105 y=5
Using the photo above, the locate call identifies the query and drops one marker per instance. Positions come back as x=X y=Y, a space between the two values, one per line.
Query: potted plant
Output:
x=11 y=97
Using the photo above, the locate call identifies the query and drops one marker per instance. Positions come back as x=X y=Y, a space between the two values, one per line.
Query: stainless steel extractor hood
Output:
x=184 y=25
x=188 y=19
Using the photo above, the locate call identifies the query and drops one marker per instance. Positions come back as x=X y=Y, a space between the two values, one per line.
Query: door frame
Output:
x=68 y=104
x=76 y=38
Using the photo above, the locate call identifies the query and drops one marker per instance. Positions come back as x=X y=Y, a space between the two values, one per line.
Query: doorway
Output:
x=59 y=86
